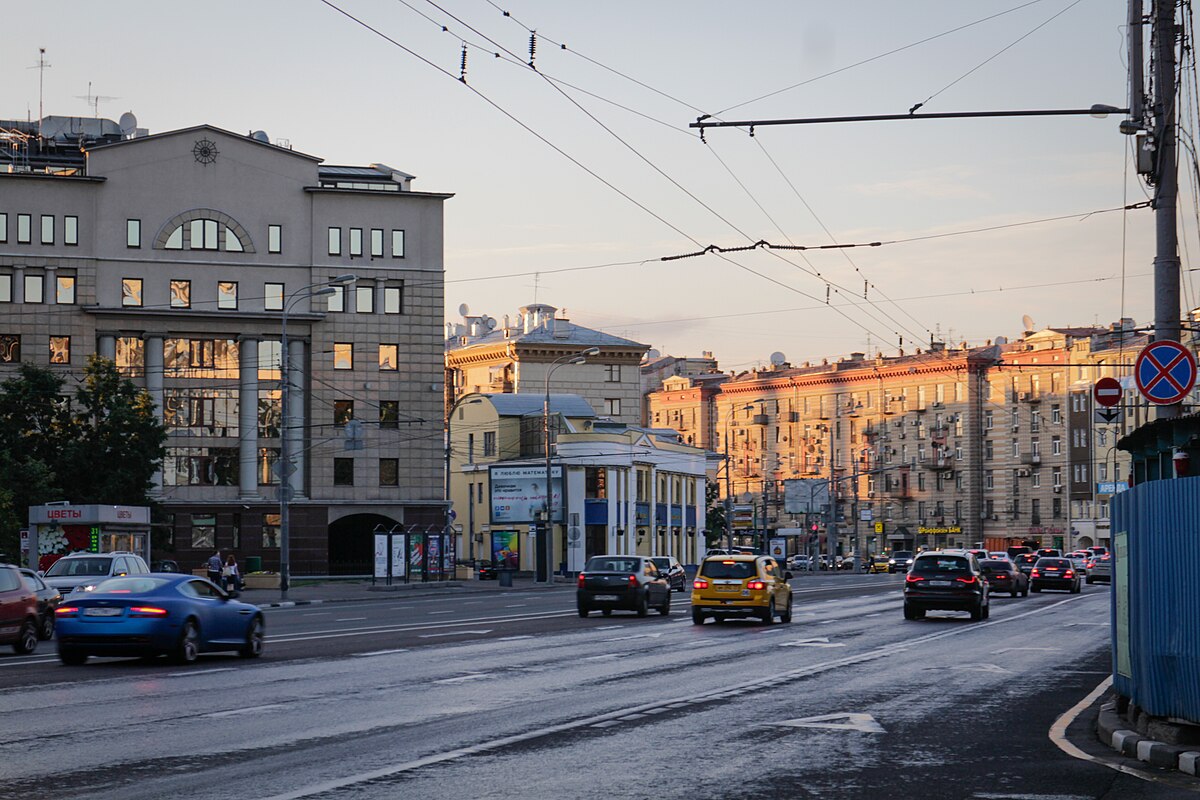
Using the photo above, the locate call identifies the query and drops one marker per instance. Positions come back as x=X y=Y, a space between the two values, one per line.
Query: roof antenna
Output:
x=41 y=67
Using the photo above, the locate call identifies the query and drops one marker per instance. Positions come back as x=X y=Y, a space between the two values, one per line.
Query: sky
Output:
x=573 y=179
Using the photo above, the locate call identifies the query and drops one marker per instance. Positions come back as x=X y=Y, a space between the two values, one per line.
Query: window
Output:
x=1055 y=446
x=273 y=296
x=335 y=241
x=389 y=413
x=389 y=472
x=200 y=466
x=227 y=295
x=376 y=242
x=35 y=288
x=270 y=411
x=612 y=406
x=205 y=235
x=1055 y=414
x=988 y=420
x=337 y=300
x=343 y=412
x=393 y=298
x=343 y=355
x=131 y=291
x=612 y=373
x=200 y=358
x=989 y=480
x=131 y=356
x=989 y=450
x=232 y=243
x=24 y=224
x=47 y=229
x=364 y=299
x=268 y=457
x=356 y=242
x=64 y=290
x=1037 y=479
x=3 y=228
x=181 y=294
x=6 y=286
x=133 y=233
x=397 y=244
x=270 y=530
x=343 y=472
x=489 y=443
x=274 y=238
x=388 y=356
x=204 y=532
x=201 y=412
x=60 y=349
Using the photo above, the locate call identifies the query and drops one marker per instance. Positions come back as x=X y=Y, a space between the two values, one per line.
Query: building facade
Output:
x=180 y=256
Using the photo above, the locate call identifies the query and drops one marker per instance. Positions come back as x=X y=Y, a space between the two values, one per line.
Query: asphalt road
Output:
x=513 y=695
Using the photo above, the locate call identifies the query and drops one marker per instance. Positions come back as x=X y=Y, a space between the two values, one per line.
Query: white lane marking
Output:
x=442 y=612
x=634 y=636
x=513 y=638
x=608 y=627
x=399 y=608
x=453 y=633
x=1004 y=650
x=827 y=622
x=237 y=712
x=474 y=676
x=995 y=796
x=408 y=627
x=864 y=723
x=194 y=673
x=1074 y=624
x=604 y=657
x=380 y=652
x=318 y=614
x=472 y=602
x=990 y=668
x=517 y=605
x=15 y=663
x=876 y=614
x=819 y=641
x=350 y=619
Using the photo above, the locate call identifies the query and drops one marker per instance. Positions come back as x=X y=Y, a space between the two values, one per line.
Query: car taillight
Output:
x=147 y=611
x=66 y=611
x=967 y=581
x=633 y=580
x=579 y=582
x=756 y=585
x=699 y=583
x=1033 y=573
x=1069 y=574
x=913 y=578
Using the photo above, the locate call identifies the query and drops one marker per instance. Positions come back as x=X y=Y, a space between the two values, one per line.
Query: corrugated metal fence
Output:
x=1156 y=596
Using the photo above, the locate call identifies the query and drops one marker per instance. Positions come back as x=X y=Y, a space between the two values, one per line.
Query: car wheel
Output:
x=910 y=612
x=187 y=649
x=977 y=613
x=254 y=640
x=1013 y=593
x=786 y=616
x=1076 y=589
x=1025 y=593
x=46 y=631
x=27 y=639
x=643 y=606
x=583 y=611
x=768 y=616
x=665 y=608
x=697 y=617
x=71 y=657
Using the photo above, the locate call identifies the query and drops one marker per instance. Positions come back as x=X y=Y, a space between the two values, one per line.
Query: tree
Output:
x=714 y=518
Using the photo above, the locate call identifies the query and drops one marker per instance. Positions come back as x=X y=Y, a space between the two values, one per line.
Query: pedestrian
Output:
x=230 y=574
x=215 y=563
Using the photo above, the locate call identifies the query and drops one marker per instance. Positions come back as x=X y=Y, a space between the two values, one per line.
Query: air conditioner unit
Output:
x=870 y=494
x=900 y=436
x=936 y=404
x=1058 y=490
x=995 y=517
x=1016 y=428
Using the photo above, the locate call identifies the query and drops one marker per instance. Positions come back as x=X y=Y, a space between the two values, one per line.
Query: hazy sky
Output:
x=588 y=161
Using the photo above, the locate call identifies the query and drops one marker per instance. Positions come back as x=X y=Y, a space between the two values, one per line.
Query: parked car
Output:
x=1054 y=573
x=18 y=611
x=945 y=581
x=741 y=586
x=800 y=563
x=1100 y=568
x=1025 y=562
x=673 y=571
x=622 y=582
x=900 y=561
x=48 y=599
x=486 y=571
x=878 y=563
x=156 y=614
x=166 y=565
x=1002 y=575
x=82 y=571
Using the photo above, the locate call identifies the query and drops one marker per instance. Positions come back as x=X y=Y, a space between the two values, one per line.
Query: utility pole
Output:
x=831 y=525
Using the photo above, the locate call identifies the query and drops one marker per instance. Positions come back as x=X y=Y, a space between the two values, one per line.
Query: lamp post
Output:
x=543 y=540
x=470 y=504
x=285 y=456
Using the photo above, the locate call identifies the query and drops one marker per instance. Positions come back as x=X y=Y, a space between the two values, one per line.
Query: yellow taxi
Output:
x=879 y=563
x=741 y=585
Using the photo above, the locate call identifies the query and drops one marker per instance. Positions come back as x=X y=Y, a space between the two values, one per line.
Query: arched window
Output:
x=204 y=229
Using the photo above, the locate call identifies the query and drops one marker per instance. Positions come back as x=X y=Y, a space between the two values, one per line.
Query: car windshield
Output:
x=902 y=554
x=662 y=563
x=1027 y=558
x=729 y=569
x=932 y=565
x=997 y=566
x=627 y=565
x=129 y=585
x=78 y=566
x=1052 y=562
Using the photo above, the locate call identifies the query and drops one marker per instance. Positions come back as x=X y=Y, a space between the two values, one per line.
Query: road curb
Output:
x=1112 y=731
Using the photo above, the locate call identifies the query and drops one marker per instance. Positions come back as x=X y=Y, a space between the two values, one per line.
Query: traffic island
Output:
x=1158 y=742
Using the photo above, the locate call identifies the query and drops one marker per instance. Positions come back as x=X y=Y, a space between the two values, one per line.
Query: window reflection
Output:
x=181 y=294
x=343 y=355
x=35 y=286
x=270 y=413
x=65 y=290
x=268 y=457
x=227 y=295
x=201 y=412
x=200 y=358
x=392 y=299
x=232 y=243
x=131 y=356
x=60 y=349
x=131 y=291
x=388 y=356
x=10 y=348
x=273 y=296
x=200 y=466
x=269 y=360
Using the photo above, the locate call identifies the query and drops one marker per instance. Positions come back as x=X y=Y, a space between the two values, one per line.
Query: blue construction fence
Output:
x=1156 y=597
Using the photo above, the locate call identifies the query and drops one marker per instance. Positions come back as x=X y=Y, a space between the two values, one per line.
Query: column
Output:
x=652 y=529
x=50 y=286
x=614 y=507
x=294 y=424
x=106 y=345
x=154 y=387
x=248 y=417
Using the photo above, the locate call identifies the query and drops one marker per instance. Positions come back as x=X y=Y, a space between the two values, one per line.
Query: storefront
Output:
x=57 y=529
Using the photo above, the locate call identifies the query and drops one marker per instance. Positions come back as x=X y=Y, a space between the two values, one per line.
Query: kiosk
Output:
x=57 y=529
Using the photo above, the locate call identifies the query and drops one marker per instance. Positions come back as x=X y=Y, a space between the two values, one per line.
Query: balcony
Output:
x=937 y=463
x=898 y=491
x=1033 y=459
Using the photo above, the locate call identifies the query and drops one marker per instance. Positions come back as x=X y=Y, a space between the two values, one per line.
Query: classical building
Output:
x=519 y=356
x=179 y=255
x=656 y=368
x=685 y=404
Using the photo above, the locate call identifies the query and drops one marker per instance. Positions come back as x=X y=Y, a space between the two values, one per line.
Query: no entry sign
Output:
x=1165 y=372
x=1107 y=392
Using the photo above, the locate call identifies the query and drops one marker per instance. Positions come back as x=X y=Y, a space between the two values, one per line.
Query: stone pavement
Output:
x=1156 y=741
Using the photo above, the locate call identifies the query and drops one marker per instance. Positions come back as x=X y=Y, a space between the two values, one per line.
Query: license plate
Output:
x=606 y=597
x=102 y=612
x=734 y=588
x=941 y=583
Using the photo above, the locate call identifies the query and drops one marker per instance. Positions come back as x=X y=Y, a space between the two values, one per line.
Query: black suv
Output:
x=945 y=580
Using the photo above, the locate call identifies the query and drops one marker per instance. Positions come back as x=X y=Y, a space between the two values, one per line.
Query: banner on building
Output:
x=519 y=493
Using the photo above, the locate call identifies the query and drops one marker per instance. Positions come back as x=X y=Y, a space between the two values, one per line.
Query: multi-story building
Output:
x=180 y=256
x=685 y=404
x=656 y=368
x=485 y=356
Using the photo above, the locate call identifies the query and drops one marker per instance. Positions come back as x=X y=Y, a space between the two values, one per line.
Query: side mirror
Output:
x=41 y=573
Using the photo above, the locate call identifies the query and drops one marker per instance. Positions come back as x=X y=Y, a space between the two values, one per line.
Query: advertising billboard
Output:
x=519 y=493
x=506 y=547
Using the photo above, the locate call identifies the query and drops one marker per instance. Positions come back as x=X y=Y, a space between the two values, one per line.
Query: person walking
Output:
x=215 y=564
x=231 y=576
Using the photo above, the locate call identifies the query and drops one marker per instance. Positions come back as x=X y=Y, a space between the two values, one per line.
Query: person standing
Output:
x=230 y=574
x=215 y=565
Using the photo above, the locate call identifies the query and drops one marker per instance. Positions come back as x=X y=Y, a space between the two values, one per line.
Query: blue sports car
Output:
x=156 y=614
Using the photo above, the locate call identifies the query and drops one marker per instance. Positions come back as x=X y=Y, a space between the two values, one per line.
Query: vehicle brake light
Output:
x=756 y=585
x=913 y=578
x=633 y=580
x=147 y=611
x=967 y=581
x=728 y=562
x=66 y=611
x=699 y=583
x=1069 y=574
x=579 y=582
x=1034 y=573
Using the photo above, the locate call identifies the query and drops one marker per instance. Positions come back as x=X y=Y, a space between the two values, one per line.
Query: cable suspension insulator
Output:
x=532 y=48
x=462 y=70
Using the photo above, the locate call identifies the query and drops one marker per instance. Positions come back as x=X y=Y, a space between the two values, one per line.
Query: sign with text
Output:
x=381 y=555
x=519 y=493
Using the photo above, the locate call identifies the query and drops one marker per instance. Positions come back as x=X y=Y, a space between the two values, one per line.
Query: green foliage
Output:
x=714 y=518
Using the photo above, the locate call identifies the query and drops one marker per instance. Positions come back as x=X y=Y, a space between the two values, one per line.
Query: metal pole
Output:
x=285 y=459
x=831 y=528
x=1166 y=258
x=543 y=536
x=728 y=487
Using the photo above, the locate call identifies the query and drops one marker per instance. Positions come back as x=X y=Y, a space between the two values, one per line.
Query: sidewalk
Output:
x=1156 y=741
x=304 y=592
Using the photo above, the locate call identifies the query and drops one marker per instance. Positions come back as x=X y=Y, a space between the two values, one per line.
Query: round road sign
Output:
x=1165 y=372
x=1107 y=392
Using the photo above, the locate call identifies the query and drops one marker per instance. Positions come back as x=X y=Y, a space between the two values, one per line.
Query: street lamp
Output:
x=285 y=383
x=471 y=505
x=543 y=541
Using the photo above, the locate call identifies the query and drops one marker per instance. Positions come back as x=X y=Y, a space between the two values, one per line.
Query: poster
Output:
x=448 y=556
x=519 y=493
x=398 y=561
x=506 y=549
x=381 y=563
x=416 y=552
x=434 y=564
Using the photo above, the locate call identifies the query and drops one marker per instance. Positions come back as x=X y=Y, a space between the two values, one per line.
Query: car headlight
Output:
x=891 y=561
x=88 y=587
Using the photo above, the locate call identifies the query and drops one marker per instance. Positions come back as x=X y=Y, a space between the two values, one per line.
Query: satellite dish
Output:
x=463 y=309
x=778 y=358
x=1027 y=321
x=652 y=354
x=128 y=123
x=490 y=322
x=261 y=136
